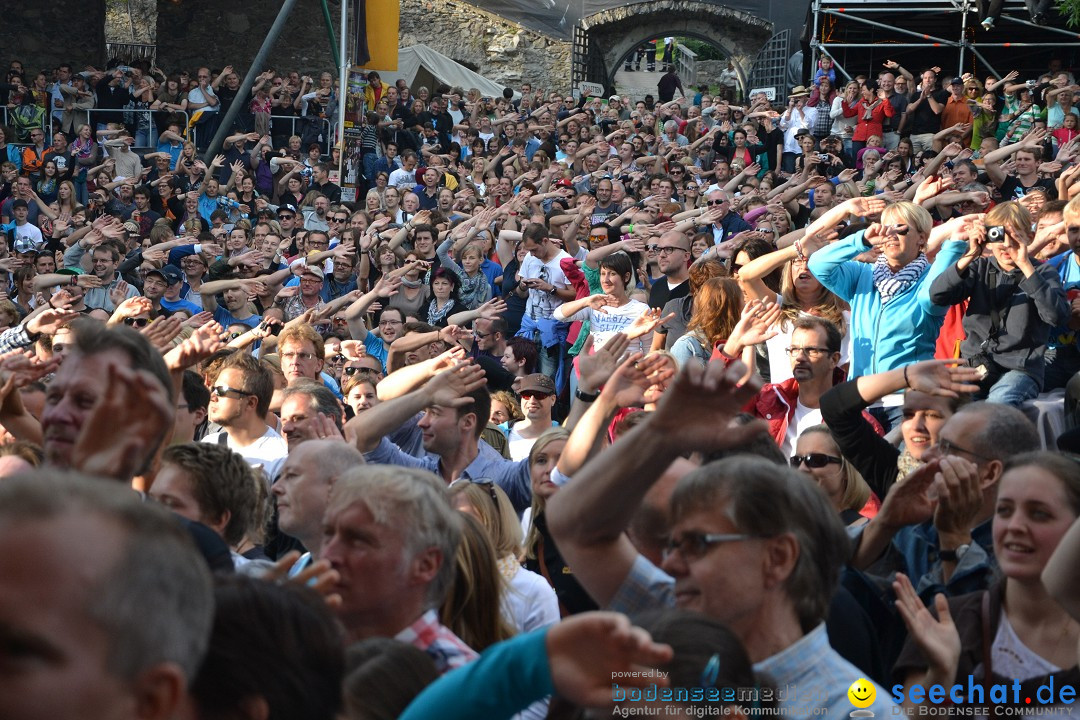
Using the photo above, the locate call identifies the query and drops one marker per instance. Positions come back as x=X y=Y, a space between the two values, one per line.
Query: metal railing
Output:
x=686 y=64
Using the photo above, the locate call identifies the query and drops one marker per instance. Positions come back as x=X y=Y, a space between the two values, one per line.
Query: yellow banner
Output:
x=379 y=35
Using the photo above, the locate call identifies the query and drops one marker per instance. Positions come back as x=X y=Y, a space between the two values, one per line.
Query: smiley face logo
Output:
x=862 y=693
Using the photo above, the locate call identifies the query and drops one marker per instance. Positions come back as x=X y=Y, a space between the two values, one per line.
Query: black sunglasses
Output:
x=814 y=460
x=137 y=322
x=715 y=202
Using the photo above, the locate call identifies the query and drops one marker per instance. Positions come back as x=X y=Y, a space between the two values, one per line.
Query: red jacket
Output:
x=775 y=403
x=865 y=128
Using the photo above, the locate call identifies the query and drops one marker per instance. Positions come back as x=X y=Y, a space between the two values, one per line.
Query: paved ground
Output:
x=636 y=85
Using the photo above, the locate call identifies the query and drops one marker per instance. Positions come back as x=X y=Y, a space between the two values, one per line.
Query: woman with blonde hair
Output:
x=471 y=607
x=818 y=455
x=893 y=321
x=528 y=602
x=542 y=556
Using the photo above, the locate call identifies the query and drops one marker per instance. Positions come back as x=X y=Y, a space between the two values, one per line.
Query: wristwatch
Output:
x=954 y=555
x=586 y=397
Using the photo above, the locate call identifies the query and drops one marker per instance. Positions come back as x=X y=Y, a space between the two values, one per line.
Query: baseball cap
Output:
x=18 y=203
x=616 y=98
x=170 y=273
x=314 y=270
x=537 y=383
x=25 y=245
x=288 y=206
x=71 y=271
x=564 y=182
x=956 y=81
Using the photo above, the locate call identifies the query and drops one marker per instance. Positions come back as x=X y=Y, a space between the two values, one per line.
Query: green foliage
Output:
x=1070 y=10
x=708 y=51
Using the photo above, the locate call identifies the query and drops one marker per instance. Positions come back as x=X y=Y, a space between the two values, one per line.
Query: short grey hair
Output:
x=325 y=400
x=1006 y=432
x=415 y=501
x=156 y=604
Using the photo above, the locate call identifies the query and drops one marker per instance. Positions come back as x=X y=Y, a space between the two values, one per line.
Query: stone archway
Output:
x=611 y=35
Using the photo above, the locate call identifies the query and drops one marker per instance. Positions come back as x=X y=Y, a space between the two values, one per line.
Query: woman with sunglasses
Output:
x=818 y=455
x=893 y=321
x=1015 y=633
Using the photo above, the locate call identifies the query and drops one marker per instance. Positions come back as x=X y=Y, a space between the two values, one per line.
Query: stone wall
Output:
x=45 y=34
x=708 y=71
x=500 y=50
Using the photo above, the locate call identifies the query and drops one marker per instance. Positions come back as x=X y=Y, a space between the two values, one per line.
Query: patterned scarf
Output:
x=890 y=285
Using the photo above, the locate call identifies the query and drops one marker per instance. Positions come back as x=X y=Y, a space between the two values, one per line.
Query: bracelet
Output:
x=906 y=383
x=630 y=228
x=798 y=250
x=586 y=397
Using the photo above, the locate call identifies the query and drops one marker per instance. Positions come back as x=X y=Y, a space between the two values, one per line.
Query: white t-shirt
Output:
x=804 y=418
x=604 y=325
x=268 y=452
x=29 y=232
x=518 y=446
x=541 y=304
x=402 y=178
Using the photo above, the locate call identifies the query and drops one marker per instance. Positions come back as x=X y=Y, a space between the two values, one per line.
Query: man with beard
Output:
x=673 y=253
x=793 y=405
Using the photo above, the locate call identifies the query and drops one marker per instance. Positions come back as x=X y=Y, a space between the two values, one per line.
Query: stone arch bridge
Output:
x=602 y=41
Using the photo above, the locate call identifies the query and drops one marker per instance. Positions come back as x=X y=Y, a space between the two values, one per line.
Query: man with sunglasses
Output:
x=240 y=403
x=729 y=223
x=537 y=393
x=673 y=259
x=286 y=215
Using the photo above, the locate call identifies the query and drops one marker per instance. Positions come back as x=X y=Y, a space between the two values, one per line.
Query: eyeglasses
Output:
x=815 y=461
x=694 y=545
x=532 y=394
x=715 y=202
x=813 y=352
x=480 y=336
x=224 y=390
x=950 y=448
x=337 y=359
x=675 y=172
x=389 y=322
x=294 y=356
x=340 y=219
x=666 y=249
x=137 y=322
x=233 y=335
x=350 y=371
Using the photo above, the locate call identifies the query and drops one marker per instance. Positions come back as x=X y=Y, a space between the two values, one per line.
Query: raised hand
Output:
x=585 y=651
x=597 y=368
x=49 y=321
x=636 y=376
x=757 y=324
x=121 y=431
x=448 y=388
x=647 y=322
x=162 y=332
x=132 y=307
x=697 y=409
x=202 y=343
x=936 y=637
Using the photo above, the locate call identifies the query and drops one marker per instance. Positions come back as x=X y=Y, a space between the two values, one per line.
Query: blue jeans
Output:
x=1013 y=388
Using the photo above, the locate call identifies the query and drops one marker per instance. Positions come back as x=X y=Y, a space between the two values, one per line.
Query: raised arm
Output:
x=589 y=517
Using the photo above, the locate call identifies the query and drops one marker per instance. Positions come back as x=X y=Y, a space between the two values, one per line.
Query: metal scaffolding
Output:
x=860 y=34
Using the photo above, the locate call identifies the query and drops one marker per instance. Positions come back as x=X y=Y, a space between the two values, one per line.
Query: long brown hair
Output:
x=717 y=307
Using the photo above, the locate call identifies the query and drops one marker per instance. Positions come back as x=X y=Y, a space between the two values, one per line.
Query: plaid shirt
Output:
x=445 y=648
x=15 y=338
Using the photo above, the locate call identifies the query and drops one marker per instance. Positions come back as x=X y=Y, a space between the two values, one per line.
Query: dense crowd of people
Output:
x=674 y=407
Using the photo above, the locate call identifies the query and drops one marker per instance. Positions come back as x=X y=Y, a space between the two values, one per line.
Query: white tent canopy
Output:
x=419 y=66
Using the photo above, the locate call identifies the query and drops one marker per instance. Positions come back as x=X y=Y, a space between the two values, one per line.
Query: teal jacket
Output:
x=883 y=337
x=507 y=678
